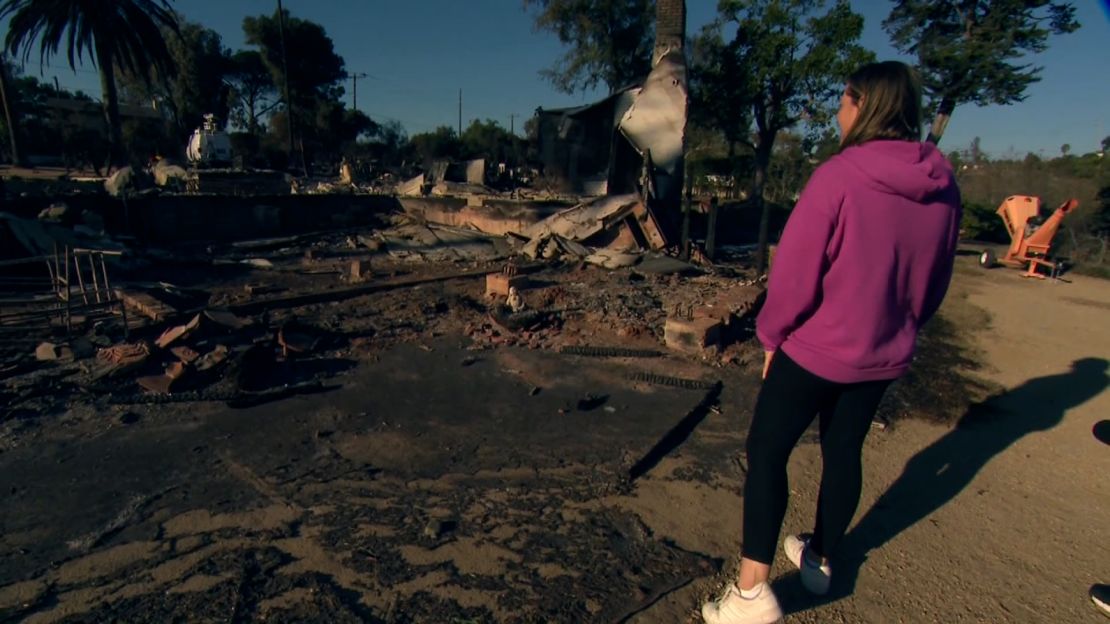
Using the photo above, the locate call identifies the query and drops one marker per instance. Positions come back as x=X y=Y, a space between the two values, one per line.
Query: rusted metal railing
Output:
x=78 y=286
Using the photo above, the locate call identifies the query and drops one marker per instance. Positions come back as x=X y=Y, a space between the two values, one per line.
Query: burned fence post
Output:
x=685 y=250
x=69 y=316
x=711 y=230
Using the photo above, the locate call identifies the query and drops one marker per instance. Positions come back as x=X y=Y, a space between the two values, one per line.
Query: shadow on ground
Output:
x=941 y=471
x=944 y=376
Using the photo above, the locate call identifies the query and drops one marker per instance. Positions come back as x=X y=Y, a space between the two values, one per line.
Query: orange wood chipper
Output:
x=1030 y=238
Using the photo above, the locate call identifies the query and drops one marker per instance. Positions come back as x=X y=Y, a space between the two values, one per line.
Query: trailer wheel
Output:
x=987 y=259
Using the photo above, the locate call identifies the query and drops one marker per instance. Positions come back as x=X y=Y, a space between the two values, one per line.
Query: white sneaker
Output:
x=1100 y=595
x=732 y=608
x=814 y=578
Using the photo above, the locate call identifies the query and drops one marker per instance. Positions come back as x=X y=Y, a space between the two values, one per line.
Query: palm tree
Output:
x=123 y=33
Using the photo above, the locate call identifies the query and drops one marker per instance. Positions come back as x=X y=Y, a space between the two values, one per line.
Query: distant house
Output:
x=90 y=114
x=63 y=127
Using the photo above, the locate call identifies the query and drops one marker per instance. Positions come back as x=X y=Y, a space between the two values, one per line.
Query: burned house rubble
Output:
x=359 y=407
x=412 y=416
x=629 y=140
x=439 y=402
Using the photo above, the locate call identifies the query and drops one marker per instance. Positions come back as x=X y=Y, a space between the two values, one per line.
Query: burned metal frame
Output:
x=93 y=293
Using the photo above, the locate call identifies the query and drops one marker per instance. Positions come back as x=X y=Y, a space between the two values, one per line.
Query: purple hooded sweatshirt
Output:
x=864 y=261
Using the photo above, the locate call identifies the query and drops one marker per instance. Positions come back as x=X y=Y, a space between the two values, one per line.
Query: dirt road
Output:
x=1002 y=518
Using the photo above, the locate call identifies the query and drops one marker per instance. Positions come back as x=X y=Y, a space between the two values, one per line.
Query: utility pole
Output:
x=513 y=139
x=5 y=95
x=354 y=88
x=285 y=75
x=460 y=113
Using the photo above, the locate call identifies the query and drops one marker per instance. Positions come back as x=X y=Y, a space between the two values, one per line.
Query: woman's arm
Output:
x=942 y=276
x=794 y=289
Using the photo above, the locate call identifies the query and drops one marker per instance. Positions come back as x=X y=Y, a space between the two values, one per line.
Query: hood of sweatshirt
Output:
x=911 y=169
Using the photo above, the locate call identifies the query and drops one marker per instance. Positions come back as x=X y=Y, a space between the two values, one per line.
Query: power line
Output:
x=396 y=87
x=354 y=88
x=23 y=68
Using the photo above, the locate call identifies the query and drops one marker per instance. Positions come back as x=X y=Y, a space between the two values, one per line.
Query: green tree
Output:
x=34 y=130
x=1101 y=225
x=980 y=223
x=788 y=170
x=113 y=33
x=316 y=74
x=610 y=41
x=388 y=143
x=336 y=129
x=1065 y=149
x=199 y=87
x=786 y=61
x=719 y=91
x=975 y=51
x=488 y=139
x=253 y=93
x=532 y=139
x=795 y=158
x=195 y=89
x=439 y=143
x=50 y=130
x=330 y=134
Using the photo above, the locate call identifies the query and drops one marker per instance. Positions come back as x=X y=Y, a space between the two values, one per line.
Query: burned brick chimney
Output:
x=670 y=24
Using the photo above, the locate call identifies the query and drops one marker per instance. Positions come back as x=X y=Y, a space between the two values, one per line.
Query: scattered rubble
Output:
x=360 y=270
x=119 y=360
x=692 y=335
x=515 y=301
x=167 y=381
x=49 y=352
x=147 y=305
x=297 y=338
x=593 y=285
x=413 y=314
x=558 y=303
x=503 y=283
x=610 y=352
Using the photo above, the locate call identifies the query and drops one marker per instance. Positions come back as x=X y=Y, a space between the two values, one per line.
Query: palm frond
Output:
x=129 y=33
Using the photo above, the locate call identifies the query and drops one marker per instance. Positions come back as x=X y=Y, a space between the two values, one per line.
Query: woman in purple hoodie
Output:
x=864 y=262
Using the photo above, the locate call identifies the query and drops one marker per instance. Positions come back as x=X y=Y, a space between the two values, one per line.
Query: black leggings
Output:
x=790 y=398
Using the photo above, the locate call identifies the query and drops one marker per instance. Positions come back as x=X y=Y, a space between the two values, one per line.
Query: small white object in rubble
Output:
x=515 y=301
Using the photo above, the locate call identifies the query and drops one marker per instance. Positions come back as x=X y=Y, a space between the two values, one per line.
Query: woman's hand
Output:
x=767 y=357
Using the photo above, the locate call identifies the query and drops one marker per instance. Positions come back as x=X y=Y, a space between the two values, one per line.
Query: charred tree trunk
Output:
x=762 y=162
x=940 y=121
x=285 y=81
x=111 y=106
x=734 y=169
x=252 y=115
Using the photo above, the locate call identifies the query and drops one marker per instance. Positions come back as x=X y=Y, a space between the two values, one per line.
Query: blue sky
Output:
x=420 y=53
